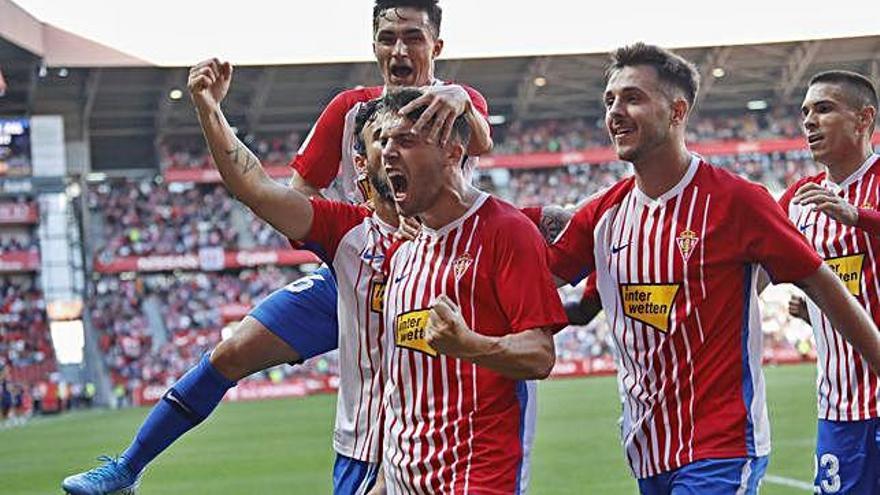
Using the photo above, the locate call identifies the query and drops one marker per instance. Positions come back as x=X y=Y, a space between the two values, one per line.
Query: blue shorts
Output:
x=303 y=314
x=709 y=477
x=848 y=457
x=353 y=477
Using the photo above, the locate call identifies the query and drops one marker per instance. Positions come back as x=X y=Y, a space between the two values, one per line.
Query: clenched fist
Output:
x=209 y=82
x=447 y=332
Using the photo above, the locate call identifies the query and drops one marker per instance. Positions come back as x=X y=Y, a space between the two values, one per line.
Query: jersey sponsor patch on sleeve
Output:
x=650 y=304
x=409 y=331
x=849 y=269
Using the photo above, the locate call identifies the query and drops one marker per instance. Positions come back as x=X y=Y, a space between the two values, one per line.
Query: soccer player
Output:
x=299 y=321
x=836 y=211
x=470 y=312
x=675 y=250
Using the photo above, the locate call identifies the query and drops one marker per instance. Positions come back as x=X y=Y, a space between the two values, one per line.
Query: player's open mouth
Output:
x=621 y=130
x=399 y=184
x=401 y=71
x=814 y=139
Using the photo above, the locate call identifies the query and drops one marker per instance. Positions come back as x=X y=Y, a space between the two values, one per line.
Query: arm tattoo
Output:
x=553 y=221
x=242 y=157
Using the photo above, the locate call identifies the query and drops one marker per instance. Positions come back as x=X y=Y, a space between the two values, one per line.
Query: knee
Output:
x=229 y=358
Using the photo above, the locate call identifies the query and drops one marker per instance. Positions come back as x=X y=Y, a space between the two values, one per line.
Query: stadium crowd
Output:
x=18 y=241
x=539 y=136
x=194 y=308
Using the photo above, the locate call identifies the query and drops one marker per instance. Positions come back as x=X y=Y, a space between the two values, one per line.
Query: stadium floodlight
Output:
x=497 y=119
x=540 y=81
x=175 y=94
x=63 y=72
x=756 y=105
x=718 y=72
x=43 y=71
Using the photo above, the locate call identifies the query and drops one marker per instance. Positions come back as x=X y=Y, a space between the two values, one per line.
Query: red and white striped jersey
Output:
x=847 y=388
x=452 y=426
x=353 y=241
x=326 y=157
x=676 y=276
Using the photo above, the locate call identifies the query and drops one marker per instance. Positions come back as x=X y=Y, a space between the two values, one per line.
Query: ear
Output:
x=455 y=153
x=360 y=161
x=680 y=108
x=438 y=47
x=866 y=117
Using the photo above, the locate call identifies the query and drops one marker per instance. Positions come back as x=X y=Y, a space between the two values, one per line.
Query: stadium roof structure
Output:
x=124 y=106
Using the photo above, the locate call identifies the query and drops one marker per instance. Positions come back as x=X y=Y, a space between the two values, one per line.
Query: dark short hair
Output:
x=435 y=13
x=860 y=91
x=394 y=100
x=672 y=70
x=365 y=114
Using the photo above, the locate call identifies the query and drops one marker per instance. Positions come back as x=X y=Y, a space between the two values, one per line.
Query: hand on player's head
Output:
x=209 y=81
x=443 y=104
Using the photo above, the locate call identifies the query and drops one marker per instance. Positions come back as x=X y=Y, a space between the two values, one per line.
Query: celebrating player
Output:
x=470 y=310
x=836 y=210
x=675 y=250
x=299 y=321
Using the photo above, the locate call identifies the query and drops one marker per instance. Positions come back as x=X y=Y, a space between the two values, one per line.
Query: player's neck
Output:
x=386 y=212
x=454 y=200
x=843 y=167
x=662 y=169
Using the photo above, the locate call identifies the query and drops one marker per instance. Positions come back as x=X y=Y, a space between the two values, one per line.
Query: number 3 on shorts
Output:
x=829 y=468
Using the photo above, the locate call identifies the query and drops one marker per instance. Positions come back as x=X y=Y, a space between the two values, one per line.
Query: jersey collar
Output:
x=460 y=220
x=853 y=177
x=435 y=82
x=674 y=191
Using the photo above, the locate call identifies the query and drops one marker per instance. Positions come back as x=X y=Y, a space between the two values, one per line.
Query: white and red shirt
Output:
x=353 y=240
x=326 y=157
x=847 y=388
x=326 y=160
x=452 y=426
x=676 y=276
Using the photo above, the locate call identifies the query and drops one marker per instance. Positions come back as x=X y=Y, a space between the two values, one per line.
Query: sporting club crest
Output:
x=687 y=241
x=461 y=264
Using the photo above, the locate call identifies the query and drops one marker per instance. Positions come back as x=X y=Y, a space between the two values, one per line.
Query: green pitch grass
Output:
x=283 y=446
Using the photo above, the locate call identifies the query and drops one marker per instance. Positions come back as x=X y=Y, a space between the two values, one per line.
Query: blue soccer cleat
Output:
x=112 y=477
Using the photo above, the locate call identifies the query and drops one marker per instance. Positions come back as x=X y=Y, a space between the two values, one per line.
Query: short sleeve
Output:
x=319 y=156
x=477 y=100
x=770 y=239
x=571 y=256
x=591 y=291
x=523 y=284
x=331 y=220
x=533 y=213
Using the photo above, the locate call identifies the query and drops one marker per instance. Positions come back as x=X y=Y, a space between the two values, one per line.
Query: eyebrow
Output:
x=817 y=102
x=411 y=30
x=627 y=89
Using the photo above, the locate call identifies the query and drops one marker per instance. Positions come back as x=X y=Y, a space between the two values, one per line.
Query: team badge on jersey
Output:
x=650 y=304
x=687 y=241
x=849 y=269
x=461 y=264
x=409 y=331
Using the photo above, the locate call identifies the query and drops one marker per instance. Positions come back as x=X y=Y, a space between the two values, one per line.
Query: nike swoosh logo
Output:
x=398 y=279
x=617 y=249
x=804 y=227
x=372 y=257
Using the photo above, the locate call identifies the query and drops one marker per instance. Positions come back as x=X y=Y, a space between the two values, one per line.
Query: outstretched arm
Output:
x=285 y=208
x=844 y=312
